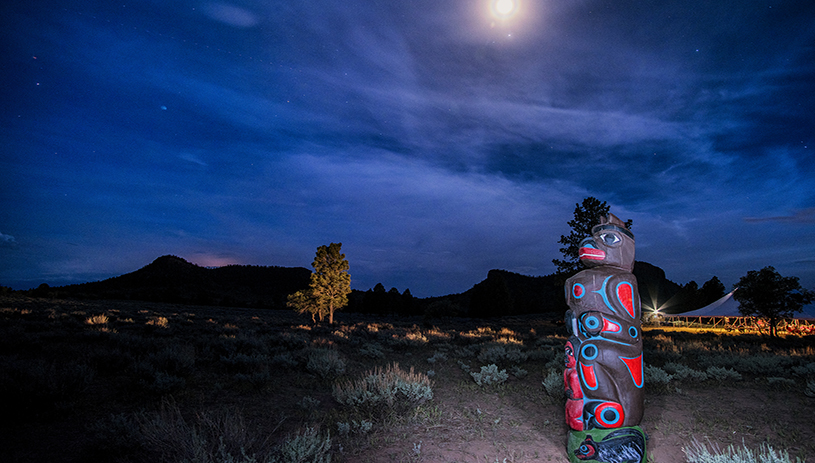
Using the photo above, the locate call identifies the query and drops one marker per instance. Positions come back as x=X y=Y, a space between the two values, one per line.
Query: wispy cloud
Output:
x=7 y=241
x=802 y=216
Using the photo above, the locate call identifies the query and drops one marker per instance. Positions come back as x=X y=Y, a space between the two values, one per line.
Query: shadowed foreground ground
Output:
x=79 y=379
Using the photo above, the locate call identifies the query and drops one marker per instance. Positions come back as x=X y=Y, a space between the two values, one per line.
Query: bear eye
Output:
x=610 y=239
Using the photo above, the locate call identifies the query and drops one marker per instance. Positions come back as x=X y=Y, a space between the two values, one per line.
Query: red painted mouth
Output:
x=592 y=254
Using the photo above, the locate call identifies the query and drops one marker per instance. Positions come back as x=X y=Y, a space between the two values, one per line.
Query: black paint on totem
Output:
x=623 y=446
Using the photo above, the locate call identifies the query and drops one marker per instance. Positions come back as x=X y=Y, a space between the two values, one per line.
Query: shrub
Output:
x=325 y=363
x=372 y=350
x=309 y=447
x=498 y=354
x=553 y=384
x=784 y=383
x=243 y=363
x=464 y=366
x=391 y=387
x=805 y=371
x=490 y=375
x=101 y=319
x=211 y=438
x=810 y=389
x=697 y=452
x=657 y=376
x=358 y=427
x=683 y=372
x=284 y=359
x=309 y=403
x=160 y=322
x=723 y=374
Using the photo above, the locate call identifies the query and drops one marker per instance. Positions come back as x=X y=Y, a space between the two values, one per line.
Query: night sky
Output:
x=435 y=139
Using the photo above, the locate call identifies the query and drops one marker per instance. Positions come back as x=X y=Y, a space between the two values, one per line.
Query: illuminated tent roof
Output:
x=724 y=307
x=727 y=306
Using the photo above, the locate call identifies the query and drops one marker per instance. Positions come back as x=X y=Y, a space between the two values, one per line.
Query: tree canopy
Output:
x=586 y=215
x=767 y=294
x=329 y=285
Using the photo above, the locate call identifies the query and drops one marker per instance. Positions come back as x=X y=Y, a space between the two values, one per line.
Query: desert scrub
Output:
x=490 y=375
x=372 y=350
x=357 y=427
x=100 y=319
x=657 y=378
x=499 y=354
x=168 y=436
x=325 y=363
x=284 y=359
x=697 y=452
x=809 y=391
x=32 y=388
x=723 y=374
x=245 y=363
x=390 y=387
x=681 y=372
x=437 y=357
x=308 y=447
x=553 y=384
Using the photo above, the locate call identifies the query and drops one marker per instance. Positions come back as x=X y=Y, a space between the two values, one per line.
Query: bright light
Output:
x=503 y=9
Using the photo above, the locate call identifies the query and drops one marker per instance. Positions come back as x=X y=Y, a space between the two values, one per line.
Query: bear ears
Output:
x=612 y=219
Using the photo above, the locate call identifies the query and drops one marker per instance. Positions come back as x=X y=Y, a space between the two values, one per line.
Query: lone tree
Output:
x=768 y=295
x=329 y=286
x=586 y=215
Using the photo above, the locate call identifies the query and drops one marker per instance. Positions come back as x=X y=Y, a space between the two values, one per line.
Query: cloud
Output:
x=230 y=14
x=802 y=216
x=7 y=241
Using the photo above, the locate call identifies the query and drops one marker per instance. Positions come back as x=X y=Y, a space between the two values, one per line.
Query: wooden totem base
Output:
x=617 y=445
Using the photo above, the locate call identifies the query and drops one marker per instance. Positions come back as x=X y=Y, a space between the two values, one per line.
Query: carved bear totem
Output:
x=604 y=365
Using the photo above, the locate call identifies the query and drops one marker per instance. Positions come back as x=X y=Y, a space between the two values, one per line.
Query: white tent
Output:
x=724 y=313
x=727 y=306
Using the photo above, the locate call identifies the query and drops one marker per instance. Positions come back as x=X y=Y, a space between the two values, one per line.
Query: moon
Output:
x=503 y=9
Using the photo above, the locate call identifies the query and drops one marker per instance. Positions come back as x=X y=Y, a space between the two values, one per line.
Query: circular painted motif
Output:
x=589 y=351
x=578 y=290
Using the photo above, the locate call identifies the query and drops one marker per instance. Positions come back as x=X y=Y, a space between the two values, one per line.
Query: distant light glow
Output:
x=503 y=9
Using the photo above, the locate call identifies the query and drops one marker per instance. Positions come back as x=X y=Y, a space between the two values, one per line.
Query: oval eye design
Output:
x=610 y=239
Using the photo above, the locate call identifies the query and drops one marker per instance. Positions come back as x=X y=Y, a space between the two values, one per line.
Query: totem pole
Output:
x=604 y=366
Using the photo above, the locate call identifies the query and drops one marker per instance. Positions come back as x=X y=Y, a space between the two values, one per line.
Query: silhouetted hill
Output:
x=507 y=293
x=174 y=280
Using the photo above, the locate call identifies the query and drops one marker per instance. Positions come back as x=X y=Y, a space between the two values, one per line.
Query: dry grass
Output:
x=75 y=392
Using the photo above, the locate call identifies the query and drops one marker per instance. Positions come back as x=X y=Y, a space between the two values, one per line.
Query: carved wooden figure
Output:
x=604 y=366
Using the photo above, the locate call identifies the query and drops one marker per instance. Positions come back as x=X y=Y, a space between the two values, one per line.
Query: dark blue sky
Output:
x=434 y=139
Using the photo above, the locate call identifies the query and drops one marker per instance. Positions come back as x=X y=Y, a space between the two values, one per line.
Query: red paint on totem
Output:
x=620 y=415
x=610 y=326
x=578 y=291
x=635 y=368
x=588 y=376
x=625 y=294
x=591 y=254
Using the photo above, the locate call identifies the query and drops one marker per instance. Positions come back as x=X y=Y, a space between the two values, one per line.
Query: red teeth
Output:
x=592 y=254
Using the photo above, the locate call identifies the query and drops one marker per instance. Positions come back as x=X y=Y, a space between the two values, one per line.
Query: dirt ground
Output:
x=512 y=431
x=516 y=422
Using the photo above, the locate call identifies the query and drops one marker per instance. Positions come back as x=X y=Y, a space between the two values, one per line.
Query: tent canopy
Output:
x=724 y=307
x=727 y=306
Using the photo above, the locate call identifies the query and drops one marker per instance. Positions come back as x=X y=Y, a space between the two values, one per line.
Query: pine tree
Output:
x=586 y=216
x=330 y=282
x=329 y=285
